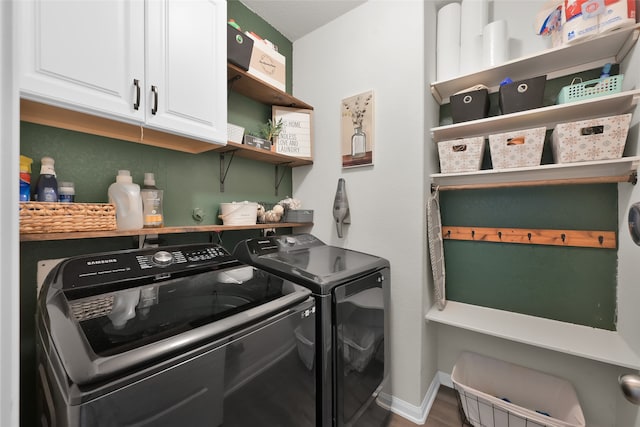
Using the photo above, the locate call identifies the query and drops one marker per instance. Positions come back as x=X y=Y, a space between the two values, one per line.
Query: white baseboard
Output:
x=418 y=414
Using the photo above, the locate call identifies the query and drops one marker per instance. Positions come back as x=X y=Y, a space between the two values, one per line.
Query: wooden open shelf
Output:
x=262 y=155
x=244 y=83
x=161 y=230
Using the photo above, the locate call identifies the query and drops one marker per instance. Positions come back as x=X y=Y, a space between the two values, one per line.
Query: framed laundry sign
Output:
x=296 y=136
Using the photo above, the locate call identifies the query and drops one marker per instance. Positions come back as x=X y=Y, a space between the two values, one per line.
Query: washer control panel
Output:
x=165 y=258
x=143 y=264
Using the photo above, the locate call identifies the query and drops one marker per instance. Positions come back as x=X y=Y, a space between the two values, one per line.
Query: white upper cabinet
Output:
x=186 y=67
x=83 y=55
x=159 y=63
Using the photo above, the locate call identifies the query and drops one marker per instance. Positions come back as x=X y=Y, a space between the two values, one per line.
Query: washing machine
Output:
x=351 y=291
x=182 y=335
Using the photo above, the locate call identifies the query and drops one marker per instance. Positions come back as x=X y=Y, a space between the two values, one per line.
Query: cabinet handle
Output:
x=154 y=89
x=136 y=104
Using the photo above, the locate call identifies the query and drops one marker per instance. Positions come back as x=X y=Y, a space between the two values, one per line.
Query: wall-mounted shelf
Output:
x=603 y=171
x=153 y=231
x=253 y=153
x=48 y=115
x=610 y=105
x=244 y=83
x=584 y=341
x=560 y=61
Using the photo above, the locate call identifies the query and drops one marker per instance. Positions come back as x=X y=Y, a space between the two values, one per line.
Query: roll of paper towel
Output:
x=495 y=43
x=448 y=42
x=474 y=15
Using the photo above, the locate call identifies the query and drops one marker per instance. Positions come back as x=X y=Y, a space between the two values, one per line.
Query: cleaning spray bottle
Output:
x=126 y=196
x=25 y=178
x=151 y=202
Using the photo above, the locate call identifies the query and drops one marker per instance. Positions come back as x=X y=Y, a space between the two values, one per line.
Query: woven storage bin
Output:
x=587 y=140
x=461 y=155
x=51 y=217
x=590 y=89
x=517 y=149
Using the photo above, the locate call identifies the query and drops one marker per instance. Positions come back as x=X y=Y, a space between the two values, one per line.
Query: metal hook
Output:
x=473 y=234
x=563 y=236
x=500 y=235
x=529 y=236
x=600 y=239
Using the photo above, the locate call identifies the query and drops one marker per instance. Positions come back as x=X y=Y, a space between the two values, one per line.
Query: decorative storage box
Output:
x=461 y=155
x=254 y=141
x=522 y=95
x=268 y=65
x=494 y=393
x=590 y=89
x=52 y=217
x=595 y=139
x=239 y=48
x=470 y=105
x=517 y=149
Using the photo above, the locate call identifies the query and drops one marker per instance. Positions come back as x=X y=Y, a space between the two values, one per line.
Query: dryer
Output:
x=351 y=291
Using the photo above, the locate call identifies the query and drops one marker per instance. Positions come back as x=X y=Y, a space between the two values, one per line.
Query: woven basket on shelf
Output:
x=51 y=217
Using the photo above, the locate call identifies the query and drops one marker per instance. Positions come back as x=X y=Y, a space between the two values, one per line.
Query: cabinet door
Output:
x=83 y=55
x=186 y=68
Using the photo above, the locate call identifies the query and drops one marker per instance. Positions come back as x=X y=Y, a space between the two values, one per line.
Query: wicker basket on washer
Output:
x=52 y=217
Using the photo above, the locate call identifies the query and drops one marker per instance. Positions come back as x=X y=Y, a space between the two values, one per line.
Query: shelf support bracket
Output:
x=279 y=177
x=230 y=83
x=633 y=178
x=223 y=170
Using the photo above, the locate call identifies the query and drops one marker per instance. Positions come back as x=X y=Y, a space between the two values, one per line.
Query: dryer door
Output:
x=360 y=350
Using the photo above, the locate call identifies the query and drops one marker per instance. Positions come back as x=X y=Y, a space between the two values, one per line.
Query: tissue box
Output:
x=522 y=95
x=586 y=140
x=239 y=48
x=470 y=105
x=461 y=155
x=517 y=149
x=268 y=65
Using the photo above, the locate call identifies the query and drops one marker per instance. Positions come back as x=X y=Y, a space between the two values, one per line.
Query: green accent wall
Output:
x=244 y=111
x=570 y=284
x=188 y=181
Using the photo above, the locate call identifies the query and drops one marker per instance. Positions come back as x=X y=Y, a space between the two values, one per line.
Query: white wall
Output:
x=9 y=263
x=380 y=46
x=389 y=46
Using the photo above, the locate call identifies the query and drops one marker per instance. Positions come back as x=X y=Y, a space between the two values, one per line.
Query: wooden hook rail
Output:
x=579 y=238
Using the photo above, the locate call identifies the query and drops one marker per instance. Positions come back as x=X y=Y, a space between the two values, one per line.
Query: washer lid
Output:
x=113 y=329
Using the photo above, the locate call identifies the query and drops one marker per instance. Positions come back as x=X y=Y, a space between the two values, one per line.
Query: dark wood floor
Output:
x=444 y=412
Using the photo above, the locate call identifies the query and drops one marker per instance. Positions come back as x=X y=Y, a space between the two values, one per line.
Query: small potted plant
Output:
x=270 y=132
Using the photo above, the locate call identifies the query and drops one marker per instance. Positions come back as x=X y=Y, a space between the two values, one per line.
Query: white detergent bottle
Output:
x=126 y=196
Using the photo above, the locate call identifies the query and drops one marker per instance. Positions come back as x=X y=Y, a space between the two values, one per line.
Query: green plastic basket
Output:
x=590 y=89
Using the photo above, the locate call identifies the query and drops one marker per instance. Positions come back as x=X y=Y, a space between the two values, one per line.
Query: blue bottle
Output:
x=47 y=184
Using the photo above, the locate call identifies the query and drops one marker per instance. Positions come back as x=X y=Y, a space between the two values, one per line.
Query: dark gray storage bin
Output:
x=239 y=47
x=522 y=95
x=472 y=105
